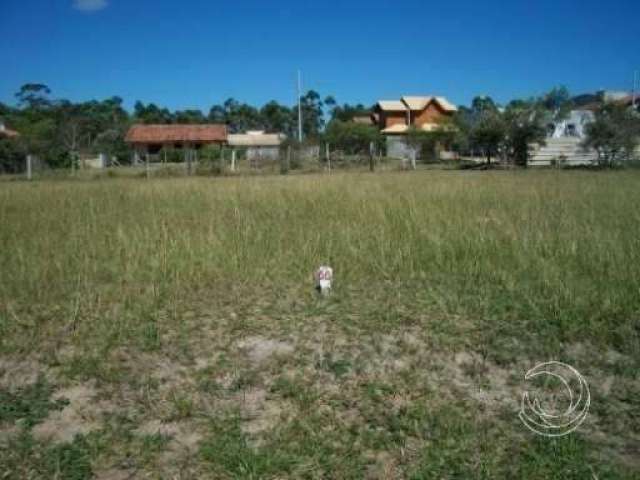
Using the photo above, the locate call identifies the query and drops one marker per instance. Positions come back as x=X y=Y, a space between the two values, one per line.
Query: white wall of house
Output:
x=574 y=125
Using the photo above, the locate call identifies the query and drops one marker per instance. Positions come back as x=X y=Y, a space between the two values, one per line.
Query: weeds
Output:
x=29 y=404
x=184 y=299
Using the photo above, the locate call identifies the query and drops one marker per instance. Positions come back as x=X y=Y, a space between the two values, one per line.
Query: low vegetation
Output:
x=170 y=329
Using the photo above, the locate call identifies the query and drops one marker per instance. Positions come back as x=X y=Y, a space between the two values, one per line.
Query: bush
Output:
x=12 y=156
x=352 y=138
x=615 y=134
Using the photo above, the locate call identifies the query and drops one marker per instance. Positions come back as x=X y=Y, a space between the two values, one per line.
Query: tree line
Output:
x=57 y=130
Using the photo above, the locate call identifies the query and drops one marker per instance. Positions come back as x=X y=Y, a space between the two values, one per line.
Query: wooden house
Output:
x=427 y=113
x=395 y=117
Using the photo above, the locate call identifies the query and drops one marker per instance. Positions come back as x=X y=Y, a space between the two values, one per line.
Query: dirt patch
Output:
x=383 y=467
x=7 y=432
x=115 y=474
x=183 y=434
x=19 y=373
x=260 y=349
x=157 y=427
x=482 y=380
x=81 y=416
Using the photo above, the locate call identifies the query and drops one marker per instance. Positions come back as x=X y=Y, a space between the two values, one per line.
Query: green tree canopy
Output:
x=352 y=138
x=615 y=133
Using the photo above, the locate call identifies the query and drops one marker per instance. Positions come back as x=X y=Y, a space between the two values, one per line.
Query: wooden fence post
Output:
x=283 y=158
x=372 y=161
x=328 y=150
x=29 y=161
x=189 y=160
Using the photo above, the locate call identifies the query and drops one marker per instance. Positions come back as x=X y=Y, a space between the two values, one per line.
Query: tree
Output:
x=488 y=134
x=151 y=114
x=188 y=116
x=33 y=96
x=278 y=118
x=111 y=142
x=352 y=138
x=483 y=105
x=312 y=114
x=479 y=128
x=614 y=134
x=330 y=102
x=558 y=102
x=71 y=123
x=524 y=125
x=241 y=117
x=12 y=155
x=217 y=114
x=347 y=112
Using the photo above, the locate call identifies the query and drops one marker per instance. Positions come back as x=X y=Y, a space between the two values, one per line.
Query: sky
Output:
x=193 y=54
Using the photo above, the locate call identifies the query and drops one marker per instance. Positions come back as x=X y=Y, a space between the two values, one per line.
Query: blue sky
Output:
x=192 y=54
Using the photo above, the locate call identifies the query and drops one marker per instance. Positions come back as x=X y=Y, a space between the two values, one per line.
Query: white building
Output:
x=574 y=126
x=258 y=145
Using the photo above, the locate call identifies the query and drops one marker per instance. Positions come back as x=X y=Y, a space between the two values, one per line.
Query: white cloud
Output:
x=90 y=5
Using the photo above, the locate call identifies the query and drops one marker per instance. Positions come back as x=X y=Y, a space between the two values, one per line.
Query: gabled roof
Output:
x=392 y=106
x=420 y=103
x=416 y=103
x=176 y=133
x=446 y=104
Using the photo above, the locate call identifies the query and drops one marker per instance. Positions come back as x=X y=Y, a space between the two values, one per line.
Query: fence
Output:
x=288 y=158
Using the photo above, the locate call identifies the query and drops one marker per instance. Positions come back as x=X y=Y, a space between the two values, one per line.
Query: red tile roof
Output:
x=176 y=133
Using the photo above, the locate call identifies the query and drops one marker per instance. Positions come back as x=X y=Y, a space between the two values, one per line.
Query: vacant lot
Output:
x=169 y=328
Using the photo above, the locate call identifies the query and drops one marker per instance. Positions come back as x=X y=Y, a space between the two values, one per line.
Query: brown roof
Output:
x=420 y=103
x=176 y=133
x=392 y=106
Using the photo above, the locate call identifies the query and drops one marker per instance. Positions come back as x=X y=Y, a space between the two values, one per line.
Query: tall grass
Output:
x=542 y=257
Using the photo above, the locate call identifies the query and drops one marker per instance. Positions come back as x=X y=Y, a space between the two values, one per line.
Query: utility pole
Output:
x=299 y=106
x=635 y=89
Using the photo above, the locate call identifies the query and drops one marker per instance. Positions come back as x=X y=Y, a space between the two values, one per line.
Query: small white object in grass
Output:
x=324 y=276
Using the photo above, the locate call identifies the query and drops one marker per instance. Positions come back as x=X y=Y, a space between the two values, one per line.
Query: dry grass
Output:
x=185 y=308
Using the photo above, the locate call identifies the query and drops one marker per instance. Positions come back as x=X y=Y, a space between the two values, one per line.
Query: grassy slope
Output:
x=445 y=283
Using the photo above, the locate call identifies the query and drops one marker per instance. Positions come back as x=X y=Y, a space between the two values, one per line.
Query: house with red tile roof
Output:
x=151 y=139
x=154 y=137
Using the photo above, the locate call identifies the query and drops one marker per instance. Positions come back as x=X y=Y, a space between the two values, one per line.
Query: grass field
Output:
x=169 y=328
